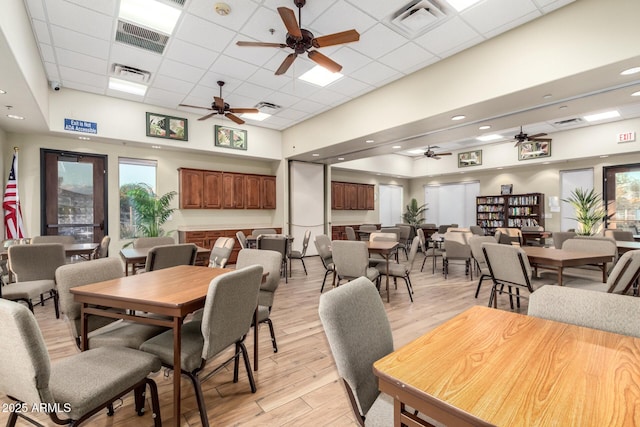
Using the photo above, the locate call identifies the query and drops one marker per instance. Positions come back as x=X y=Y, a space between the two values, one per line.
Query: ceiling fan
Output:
x=218 y=106
x=301 y=40
x=523 y=137
x=433 y=155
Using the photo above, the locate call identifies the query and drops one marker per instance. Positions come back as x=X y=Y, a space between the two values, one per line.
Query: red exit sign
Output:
x=626 y=137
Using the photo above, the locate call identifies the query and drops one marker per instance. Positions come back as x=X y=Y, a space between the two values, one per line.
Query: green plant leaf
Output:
x=150 y=211
x=589 y=210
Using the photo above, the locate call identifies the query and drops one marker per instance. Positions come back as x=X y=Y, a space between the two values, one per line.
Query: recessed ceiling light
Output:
x=630 y=71
x=602 y=116
x=546 y=163
x=636 y=93
x=340 y=158
x=84 y=138
x=547 y=96
x=126 y=86
x=460 y=5
x=492 y=137
x=320 y=76
x=258 y=117
x=500 y=168
x=421 y=151
x=563 y=107
x=2 y=92
x=316 y=155
x=13 y=116
x=151 y=14
x=604 y=157
x=459 y=117
x=397 y=146
x=484 y=127
x=157 y=147
x=369 y=141
x=378 y=174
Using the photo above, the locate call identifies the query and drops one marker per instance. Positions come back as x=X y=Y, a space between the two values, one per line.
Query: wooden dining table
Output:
x=559 y=259
x=70 y=249
x=385 y=249
x=134 y=256
x=172 y=292
x=627 y=246
x=488 y=367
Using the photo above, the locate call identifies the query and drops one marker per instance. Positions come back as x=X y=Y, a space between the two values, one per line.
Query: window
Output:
x=569 y=181
x=622 y=197
x=132 y=172
x=390 y=204
x=452 y=203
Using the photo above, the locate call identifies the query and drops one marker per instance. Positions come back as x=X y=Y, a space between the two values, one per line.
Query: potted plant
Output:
x=150 y=210
x=413 y=215
x=590 y=211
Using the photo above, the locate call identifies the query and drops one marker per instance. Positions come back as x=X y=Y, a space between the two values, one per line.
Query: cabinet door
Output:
x=362 y=194
x=370 y=198
x=212 y=190
x=351 y=196
x=252 y=189
x=268 y=192
x=238 y=191
x=228 y=193
x=337 y=195
x=191 y=190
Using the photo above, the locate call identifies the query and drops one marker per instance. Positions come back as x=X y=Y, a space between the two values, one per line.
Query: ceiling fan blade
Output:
x=435 y=157
x=540 y=139
x=244 y=110
x=324 y=61
x=236 y=119
x=444 y=154
x=518 y=143
x=286 y=64
x=261 y=44
x=336 y=38
x=193 y=106
x=219 y=102
x=537 y=135
x=289 y=18
x=207 y=116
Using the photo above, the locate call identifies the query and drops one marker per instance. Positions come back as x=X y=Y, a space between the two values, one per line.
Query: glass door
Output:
x=74 y=195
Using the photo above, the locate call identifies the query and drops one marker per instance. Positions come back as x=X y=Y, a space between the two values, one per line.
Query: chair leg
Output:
x=324 y=280
x=479 y=284
x=409 y=287
x=138 y=395
x=273 y=335
x=423 y=261
x=56 y=303
x=247 y=365
x=199 y=398
x=155 y=403
x=13 y=418
x=304 y=266
x=110 y=410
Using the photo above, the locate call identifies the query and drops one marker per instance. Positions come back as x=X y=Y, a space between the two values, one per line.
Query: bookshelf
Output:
x=509 y=211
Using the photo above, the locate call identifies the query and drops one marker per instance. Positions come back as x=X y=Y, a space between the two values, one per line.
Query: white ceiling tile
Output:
x=241 y=10
x=459 y=48
x=47 y=52
x=348 y=86
x=374 y=73
x=350 y=59
x=405 y=57
x=258 y=25
x=85 y=21
x=240 y=101
x=308 y=106
x=378 y=41
x=172 y=84
x=251 y=90
x=107 y=7
x=329 y=97
x=188 y=53
x=512 y=24
x=291 y=113
x=79 y=42
x=282 y=99
x=340 y=17
x=66 y=58
x=83 y=77
x=266 y=78
x=204 y=33
x=379 y=9
x=52 y=71
x=491 y=14
x=300 y=66
x=299 y=88
x=182 y=71
x=36 y=9
x=211 y=80
x=310 y=11
x=168 y=98
x=555 y=5
x=84 y=88
x=41 y=30
x=447 y=36
x=233 y=67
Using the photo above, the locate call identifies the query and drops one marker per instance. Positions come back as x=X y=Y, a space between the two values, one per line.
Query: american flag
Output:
x=11 y=204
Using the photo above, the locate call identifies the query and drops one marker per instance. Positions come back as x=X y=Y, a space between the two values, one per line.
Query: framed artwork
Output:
x=506 y=189
x=230 y=138
x=534 y=150
x=162 y=126
x=470 y=158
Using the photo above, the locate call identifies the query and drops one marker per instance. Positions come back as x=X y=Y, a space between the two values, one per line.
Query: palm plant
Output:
x=589 y=211
x=413 y=215
x=150 y=210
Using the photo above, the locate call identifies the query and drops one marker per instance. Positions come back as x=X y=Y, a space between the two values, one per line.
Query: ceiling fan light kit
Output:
x=523 y=137
x=430 y=154
x=303 y=41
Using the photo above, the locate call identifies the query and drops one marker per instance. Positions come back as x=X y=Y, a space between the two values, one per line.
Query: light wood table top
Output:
x=133 y=256
x=627 y=246
x=561 y=258
x=492 y=367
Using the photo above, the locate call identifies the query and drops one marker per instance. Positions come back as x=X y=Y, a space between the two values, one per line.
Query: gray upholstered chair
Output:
x=278 y=243
x=102 y=251
x=593 y=244
x=65 y=240
x=228 y=312
x=598 y=310
x=351 y=260
x=166 y=256
x=403 y=237
x=475 y=243
x=149 y=242
x=619 y=235
x=80 y=385
x=295 y=254
x=509 y=236
x=259 y=231
x=533 y=241
x=476 y=230
x=383 y=236
x=432 y=252
x=350 y=233
x=624 y=276
x=323 y=246
x=559 y=237
x=358 y=331
x=402 y=270
x=456 y=248
x=34 y=268
x=270 y=262
x=242 y=239
x=221 y=252
x=102 y=331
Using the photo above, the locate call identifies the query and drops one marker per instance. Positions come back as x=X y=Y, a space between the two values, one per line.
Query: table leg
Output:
x=387 y=258
x=84 y=329
x=604 y=272
x=255 y=339
x=126 y=268
x=177 y=369
x=560 y=276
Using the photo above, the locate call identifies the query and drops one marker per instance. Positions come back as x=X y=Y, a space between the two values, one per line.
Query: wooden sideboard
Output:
x=204 y=189
x=207 y=238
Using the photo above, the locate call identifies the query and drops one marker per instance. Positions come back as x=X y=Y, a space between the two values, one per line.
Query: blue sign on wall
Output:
x=80 y=126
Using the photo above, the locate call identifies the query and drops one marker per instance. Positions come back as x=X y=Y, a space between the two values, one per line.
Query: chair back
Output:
x=475 y=243
x=242 y=239
x=259 y=231
x=358 y=331
x=231 y=300
x=350 y=258
x=619 y=235
x=273 y=242
x=102 y=251
x=221 y=252
x=394 y=230
x=83 y=273
x=149 y=242
x=35 y=261
x=270 y=262
x=368 y=227
x=381 y=236
x=351 y=233
x=510 y=236
x=508 y=263
x=476 y=230
x=443 y=228
x=531 y=228
x=305 y=242
x=625 y=272
x=25 y=367
x=422 y=240
x=559 y=237
x=166 y=256
x=415 y=244
x=65 y=240
x=405 y=231
x=323 y=246
x=593 y=245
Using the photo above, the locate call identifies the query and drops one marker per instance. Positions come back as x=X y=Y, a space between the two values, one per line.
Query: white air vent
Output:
x=417 y=17
x=568 y=122
x=267 y=107
x=130 y=73
x=141 y=37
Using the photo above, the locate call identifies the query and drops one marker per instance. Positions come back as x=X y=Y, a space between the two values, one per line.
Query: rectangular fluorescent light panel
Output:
x=460 y=5
x=151 y=14
x=126 y=86
x=417 y=151
x=602 y=116
x=487 y=138
x=256 y=116
x=320 y=76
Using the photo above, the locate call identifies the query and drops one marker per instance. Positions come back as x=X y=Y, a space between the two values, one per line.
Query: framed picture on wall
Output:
x=470 y=158
x=506 y=189
x=162 y=126
x=534 y=149
x=230 y=138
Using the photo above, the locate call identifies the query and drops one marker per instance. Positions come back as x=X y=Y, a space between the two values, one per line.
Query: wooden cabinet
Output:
x=203 y=189
x=510 y=211
x=352 y=196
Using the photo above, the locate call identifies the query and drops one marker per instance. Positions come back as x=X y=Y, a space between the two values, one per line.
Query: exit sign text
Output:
x=626 y=137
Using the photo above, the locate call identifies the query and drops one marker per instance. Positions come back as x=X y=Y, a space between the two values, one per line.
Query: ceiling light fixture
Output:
x=151 y=14
x=316 y=155
x=340 y=158
x=13 y=116
x=369 y=141
x=320 y=76
x=128 y=87
x=420 y=151
x=487 y=138
x=222 y=9
x=630 y=71
x=484 y=127
x=397 y=146
x=460 y=5
x=84 y=138
x=602 y=116
x=458 y=117
x=258 y=117
x=2 y=92
x=636 y=93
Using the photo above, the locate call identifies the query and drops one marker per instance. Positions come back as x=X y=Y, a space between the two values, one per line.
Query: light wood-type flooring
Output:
x=298 y=386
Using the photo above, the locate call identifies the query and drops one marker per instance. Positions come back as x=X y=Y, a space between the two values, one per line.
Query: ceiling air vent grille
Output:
x=416 y=17
x=568 y=122
x=131 y=73
x=141 y=37
x=178 y=2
